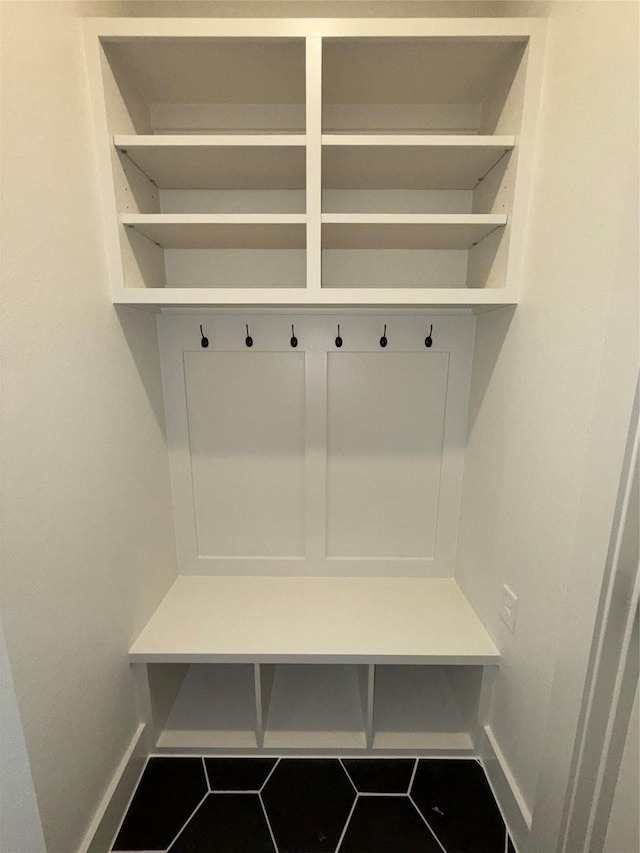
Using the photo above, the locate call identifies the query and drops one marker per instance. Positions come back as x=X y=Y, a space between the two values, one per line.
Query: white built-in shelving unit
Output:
x=315 y=163
x=327 y=167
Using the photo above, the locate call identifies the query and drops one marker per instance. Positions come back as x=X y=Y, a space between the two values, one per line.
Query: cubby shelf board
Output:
x=414 y=161
x=221 y=231
x=206 y=619
x=207 y=161
x=407 y=231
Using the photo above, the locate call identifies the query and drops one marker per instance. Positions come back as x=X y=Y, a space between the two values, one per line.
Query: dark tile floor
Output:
x=313 y=805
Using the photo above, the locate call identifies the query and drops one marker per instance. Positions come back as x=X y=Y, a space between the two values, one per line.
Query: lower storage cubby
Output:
x=425 y=707
x=203 y=705
x=314 y=706
x=431 y=709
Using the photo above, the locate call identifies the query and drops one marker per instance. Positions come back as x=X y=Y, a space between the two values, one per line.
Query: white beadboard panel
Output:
x=246 y=438
x=384 y=452
x=316 y=460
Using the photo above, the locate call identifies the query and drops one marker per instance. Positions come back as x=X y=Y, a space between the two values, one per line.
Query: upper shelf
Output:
x=407 y=231
x=212 y=161
x=416 y=161
x=220 y=231
x=315 y=620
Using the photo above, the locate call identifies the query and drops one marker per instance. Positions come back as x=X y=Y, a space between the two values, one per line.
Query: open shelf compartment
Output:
x=209 y=162
x=426 y=707
x=429 y=162
x=201 y=705
x=314 y=706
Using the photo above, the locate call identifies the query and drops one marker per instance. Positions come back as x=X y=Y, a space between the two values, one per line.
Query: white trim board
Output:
x=309 y=533
x=113 y=806
x=513 y=806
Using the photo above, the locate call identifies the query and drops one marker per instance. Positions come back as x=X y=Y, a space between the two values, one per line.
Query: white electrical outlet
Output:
x=509 y=609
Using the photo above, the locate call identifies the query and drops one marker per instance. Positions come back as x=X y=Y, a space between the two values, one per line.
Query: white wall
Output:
x=20 y=828
x=87 y=543
x=623 y=834
x=543 y=416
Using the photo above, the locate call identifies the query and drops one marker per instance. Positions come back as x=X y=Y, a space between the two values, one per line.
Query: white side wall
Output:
x=623 y=833
x=542 y=412
x=20 y=828
x=87 y=544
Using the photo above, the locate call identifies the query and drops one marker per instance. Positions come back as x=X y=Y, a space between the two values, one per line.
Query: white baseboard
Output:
x=515 y=811
x=100 y=836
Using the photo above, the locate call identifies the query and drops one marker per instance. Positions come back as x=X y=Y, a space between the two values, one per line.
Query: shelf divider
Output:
x=314 y=163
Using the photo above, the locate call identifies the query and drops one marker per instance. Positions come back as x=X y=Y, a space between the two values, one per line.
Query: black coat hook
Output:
x=383 y=339
x=248 y=340
x=428 y=341
x=294 y=340
x=204 y=342
x=338 y=339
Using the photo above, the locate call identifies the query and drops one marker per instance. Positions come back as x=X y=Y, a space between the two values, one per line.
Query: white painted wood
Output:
x=142 y=260
x=505 y=785
x=415 y=708
x=221 y=231
x=314 y=163
x=315 y=706
x=401 y=118
x=168 y=299
x=407 y=231
x=245 y=413
x=366 y=680
x=162 y=685
x=385 y=414
x=256 y=91
x=221 y=477
x=232 y=119
x=415 y=71
x=393 y=268
x=215 y=707
x=496 y=30
x=411 y=162
x=315 y=494
x=238 y=268
x=218 y=162
x=104 y=826
x=242 y=70
x=466 y=684
x=233 y=201
x=314 y=620
x=397 y=201
x=264 y=676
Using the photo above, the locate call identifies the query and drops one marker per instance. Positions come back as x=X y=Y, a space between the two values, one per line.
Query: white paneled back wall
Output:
x=316 y=459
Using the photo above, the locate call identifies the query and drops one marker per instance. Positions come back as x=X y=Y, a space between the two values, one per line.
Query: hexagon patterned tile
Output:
x=313 y=805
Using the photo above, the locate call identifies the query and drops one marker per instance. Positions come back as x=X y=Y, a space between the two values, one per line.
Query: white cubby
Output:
x=346 y=124
x=203 y=705
x=415 y=707
x=314 y=707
